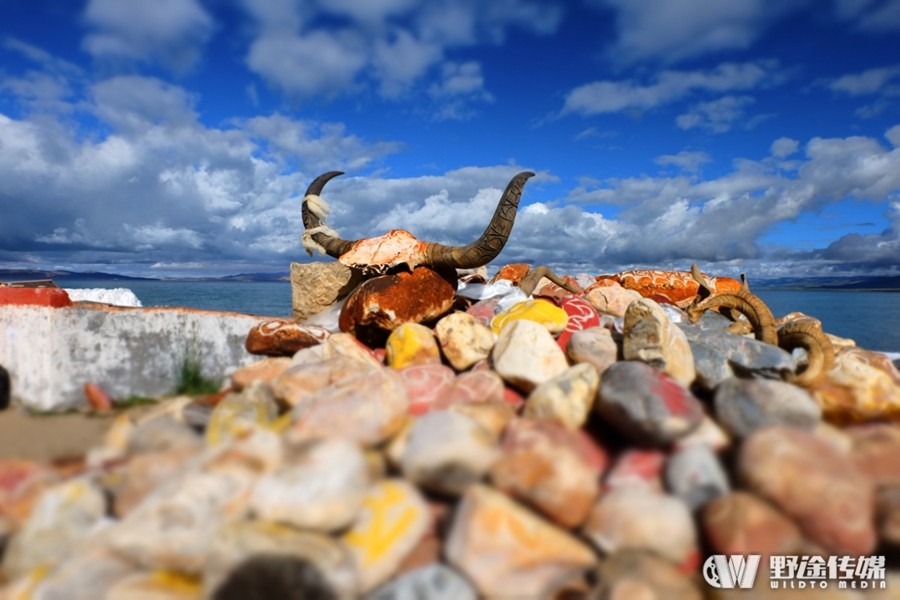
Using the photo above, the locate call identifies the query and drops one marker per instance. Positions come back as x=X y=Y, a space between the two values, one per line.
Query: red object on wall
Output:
x=41 y=296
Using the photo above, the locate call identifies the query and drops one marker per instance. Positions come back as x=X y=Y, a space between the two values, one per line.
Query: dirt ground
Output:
x=50 y=437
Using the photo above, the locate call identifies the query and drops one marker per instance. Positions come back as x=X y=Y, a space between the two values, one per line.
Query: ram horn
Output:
x=761 y=318
x=819 y=349
x=530 y=281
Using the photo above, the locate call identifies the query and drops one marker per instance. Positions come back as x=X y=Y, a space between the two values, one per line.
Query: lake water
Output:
x=870 y=318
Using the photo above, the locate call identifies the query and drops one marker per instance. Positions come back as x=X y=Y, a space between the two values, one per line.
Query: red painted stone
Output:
x=471 y=387
x=581 y=316
x=56 y=297
x=637 y=467
x=425 y=384
x=485 y=310
x=380 y=304
x=513 y=397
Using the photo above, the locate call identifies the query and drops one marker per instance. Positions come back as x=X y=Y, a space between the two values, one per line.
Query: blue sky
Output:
x=176 y=137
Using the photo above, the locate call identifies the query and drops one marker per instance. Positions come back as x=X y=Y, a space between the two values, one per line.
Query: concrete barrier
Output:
x=51 y=353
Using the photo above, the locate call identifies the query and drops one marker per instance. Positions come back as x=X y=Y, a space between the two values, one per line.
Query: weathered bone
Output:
x=820 y=352
x=752 y=307
x=478 y=253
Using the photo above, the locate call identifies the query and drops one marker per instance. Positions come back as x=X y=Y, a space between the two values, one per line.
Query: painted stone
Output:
x=319 y=486
x=506 y=550
x=411 y=344
x=745 y=405
x=539 y=311
x=594 y=346
x=742 y=523
x=514 y=273
x=650 y=336
x=676 y=287
x=174 y=526
x=343 y=344
x=862 y=386
x=526 y=355
x=696 y=476
x=379 y=305
x=464 y=340
x=157 y=585
x=566 y=398
x=472 y=387
x=582 y=315
x=646 y=404
x=637 y=519
x=265 y=370
x=447 y=452
x=485 y=310
x=280 y=337
x=144 y=472
x=393 y=519
x=368 y=409
x=238 y=412
x=635 y=467
x=85 y=575
x=300 y=563
x=61 y=519
x=550 y=468
x=316 y=286
x=611 y=299
x=425 y=385
x=297 y=384
x=834 y=506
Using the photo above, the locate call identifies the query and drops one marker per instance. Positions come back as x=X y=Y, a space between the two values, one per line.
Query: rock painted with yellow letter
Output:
x=393 y=520
x=540 y=311
x=412 y=344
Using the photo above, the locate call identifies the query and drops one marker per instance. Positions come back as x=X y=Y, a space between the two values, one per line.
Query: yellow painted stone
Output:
x=237 y=414
x=394 y=518
x=538 y=310
x=412 y=344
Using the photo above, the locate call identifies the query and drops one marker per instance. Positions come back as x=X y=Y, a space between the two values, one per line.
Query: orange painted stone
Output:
x=382 y=303
x=675 y=287
x=396 y=247
x=513 y=273
x=56 y=297
x=97 y=397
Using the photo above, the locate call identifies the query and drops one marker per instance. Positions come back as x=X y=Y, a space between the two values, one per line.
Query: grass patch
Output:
x=193 y=383
x=132 y=401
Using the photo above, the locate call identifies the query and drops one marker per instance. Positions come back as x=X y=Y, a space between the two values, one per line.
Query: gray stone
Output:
x=316 y=286
x=433 y=582
x=594 y=346
x=745 y=405
x=695 y=474
x=719 y=354
x=646 y=404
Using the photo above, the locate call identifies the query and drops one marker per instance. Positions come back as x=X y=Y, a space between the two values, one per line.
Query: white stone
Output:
x=464 y=340
x=566 y=398
x=651 y=337
x=526 y=355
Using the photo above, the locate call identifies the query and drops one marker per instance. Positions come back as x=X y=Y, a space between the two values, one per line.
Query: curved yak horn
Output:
x=819 y=350
x=333 y=245
x=478 y=253
x=488 y=246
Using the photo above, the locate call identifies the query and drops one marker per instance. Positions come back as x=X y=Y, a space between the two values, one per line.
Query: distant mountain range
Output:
x=62 y=276
x=890 y=282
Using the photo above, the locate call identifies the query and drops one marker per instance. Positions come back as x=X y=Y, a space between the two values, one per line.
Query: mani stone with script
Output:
x=316 y=286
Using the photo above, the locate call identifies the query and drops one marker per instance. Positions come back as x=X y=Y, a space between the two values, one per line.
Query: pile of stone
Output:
x=586 y=444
